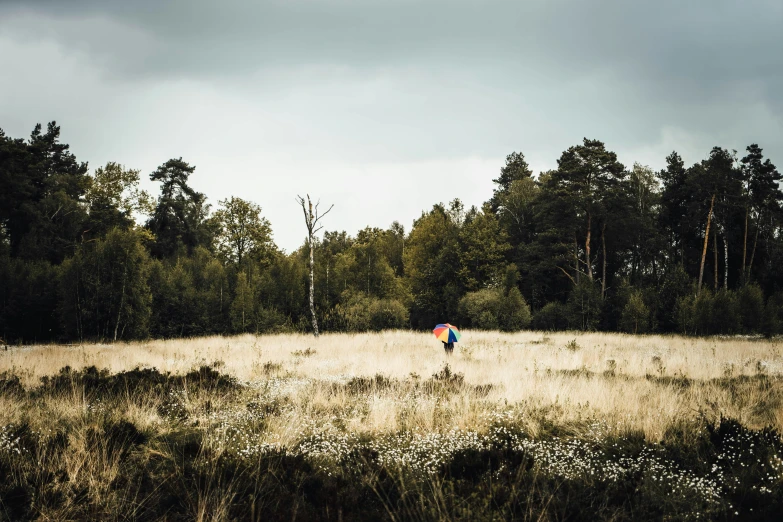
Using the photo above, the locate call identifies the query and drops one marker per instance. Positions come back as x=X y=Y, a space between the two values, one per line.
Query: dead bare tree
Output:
x=706 y=240
x=311 y=221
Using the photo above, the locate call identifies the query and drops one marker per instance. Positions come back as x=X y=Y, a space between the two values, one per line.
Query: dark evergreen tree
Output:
x=431 y=264
x=673 y=215
x=104 y=291
x=516 y=168
x=43 y=195
x=762 y=211
x=179 y=217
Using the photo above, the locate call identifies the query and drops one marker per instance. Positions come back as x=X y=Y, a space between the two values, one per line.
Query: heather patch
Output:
x=143 y=444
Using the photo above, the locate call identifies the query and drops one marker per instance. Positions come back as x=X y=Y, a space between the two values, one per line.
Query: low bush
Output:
x=552 y=317
x=362 y=313
x=101 y=464
x=494 y=308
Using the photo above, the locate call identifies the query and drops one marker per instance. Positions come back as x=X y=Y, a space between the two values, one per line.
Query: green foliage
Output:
x=482 y=249
x=243 y=306
x=113 y=197
x=773 y=315
x=675 y=285
x=726 y=317
x=179 y=219
x=362 y=313
x=709 y=314
x=515 y=313
x=42 y=189
x=515 y=169
x=364 y=266
x=28 y=300
x=431 y=259
x=621 y=248
x=103 y=288
x=494 y=309
x=241 y=231
x=636 y=316
x=694 y=313
x=584 y=306
x=750 y=305
x=516 y=209
x=191 y=296
x=480 y=309
x=552 y=317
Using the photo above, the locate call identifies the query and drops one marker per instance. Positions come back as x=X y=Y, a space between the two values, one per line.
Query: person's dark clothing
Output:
x=449 y=347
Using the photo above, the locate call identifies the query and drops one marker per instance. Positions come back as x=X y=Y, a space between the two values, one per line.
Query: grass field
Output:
x=527 y=426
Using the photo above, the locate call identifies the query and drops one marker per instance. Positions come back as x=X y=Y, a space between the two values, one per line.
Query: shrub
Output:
x=702 y=313
x=773 y=315
x=553 y=316
x=492 y=308
x=726 y=318
x=584 y=306
x=362 y=313
x=683 y=312
x=708 y=313
x=675 y=285
x=750 y=302
x=480 y=309
x=515 y=312
x=270 y=320
x=103 y=288
x=387 y=313
x=635 y=317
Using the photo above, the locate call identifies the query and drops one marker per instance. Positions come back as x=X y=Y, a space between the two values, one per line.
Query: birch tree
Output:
x=312 y=217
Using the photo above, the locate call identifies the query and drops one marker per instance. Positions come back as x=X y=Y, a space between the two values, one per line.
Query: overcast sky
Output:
x=387 y=107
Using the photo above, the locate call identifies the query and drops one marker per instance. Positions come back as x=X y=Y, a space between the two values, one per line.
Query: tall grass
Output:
x=522 y=426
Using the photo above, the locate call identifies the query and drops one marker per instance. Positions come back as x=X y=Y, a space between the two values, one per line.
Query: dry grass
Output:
x=388 y=425
x=531 y=370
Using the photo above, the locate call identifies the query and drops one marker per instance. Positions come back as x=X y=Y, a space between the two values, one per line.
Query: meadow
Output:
x=522 y=426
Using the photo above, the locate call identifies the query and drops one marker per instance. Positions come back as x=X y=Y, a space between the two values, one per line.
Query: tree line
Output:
x=590 y=245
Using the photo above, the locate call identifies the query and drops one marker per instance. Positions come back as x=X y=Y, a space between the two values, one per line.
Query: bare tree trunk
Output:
x=79 y=323
x=715 y=255
x=587 y=248
x=755 y=242
x=122 y=300
x=725 y=260
x=311 y=220
x=603 y=275
x=706 y=239
x=312 y=273
x=576 y=258
x=745 y=243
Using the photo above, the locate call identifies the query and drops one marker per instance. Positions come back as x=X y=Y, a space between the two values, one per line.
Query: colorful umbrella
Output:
x=447 y=333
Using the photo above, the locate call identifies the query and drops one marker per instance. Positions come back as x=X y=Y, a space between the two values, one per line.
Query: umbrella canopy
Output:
x=447 y=333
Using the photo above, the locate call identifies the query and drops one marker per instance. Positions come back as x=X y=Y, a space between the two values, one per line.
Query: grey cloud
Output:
x=668 y=52
x=410 y=80
x=710 y=39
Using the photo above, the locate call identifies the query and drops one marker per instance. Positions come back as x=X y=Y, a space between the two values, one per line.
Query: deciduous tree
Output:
x=242 y=231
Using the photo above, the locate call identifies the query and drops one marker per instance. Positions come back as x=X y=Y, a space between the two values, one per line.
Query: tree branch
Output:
x=317 y=217
x=567 y=275
x=301 y=201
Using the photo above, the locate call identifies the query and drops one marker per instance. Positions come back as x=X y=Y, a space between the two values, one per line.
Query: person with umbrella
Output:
x=448 y=335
